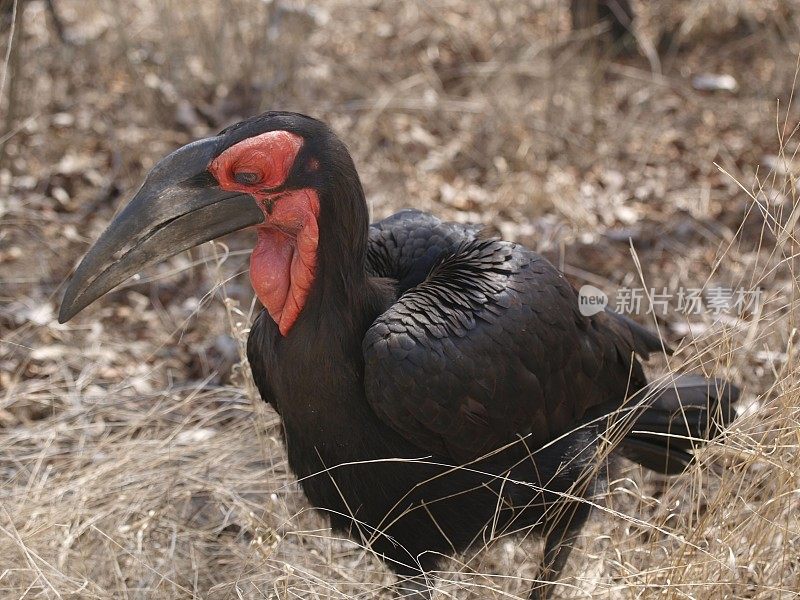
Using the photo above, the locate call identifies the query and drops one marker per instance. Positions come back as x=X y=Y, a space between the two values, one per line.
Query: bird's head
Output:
x=285 y=174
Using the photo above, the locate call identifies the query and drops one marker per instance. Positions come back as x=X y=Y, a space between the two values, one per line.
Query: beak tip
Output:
x=69 y=307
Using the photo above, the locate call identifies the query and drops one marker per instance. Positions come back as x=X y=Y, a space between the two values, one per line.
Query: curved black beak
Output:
x=179 y=206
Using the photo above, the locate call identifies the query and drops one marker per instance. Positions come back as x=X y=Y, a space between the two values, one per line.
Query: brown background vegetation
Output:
x=135 y=458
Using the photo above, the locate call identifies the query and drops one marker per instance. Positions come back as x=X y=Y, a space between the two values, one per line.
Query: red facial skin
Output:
x=284 y=260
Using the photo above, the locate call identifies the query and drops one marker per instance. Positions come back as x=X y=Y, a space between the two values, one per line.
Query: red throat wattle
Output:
x=284 y=260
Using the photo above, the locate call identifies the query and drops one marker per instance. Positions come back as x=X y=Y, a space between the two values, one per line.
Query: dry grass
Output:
x=135 y=458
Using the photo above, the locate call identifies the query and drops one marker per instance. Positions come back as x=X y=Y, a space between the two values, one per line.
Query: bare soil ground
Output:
x=136 y=460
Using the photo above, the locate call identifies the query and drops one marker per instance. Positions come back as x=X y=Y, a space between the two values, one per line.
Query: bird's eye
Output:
x=246 y=177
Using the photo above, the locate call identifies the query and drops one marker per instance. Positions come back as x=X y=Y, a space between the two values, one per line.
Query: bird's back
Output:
x=485 y=341
x=406 y=245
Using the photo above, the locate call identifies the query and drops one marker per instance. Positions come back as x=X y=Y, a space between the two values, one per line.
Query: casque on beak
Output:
x=179 y=206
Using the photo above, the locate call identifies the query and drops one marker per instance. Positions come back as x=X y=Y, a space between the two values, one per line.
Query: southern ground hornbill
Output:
x=438 y=387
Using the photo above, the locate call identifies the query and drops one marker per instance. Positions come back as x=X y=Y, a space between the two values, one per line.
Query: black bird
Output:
x=438 y=387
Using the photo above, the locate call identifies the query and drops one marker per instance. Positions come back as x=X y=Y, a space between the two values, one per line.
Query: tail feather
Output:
x=676 y=417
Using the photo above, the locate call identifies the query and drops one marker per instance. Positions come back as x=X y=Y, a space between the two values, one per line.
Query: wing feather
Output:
x=485 y=342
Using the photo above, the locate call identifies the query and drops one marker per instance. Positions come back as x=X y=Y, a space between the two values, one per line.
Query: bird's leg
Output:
x=559 y=539
x=414 y=587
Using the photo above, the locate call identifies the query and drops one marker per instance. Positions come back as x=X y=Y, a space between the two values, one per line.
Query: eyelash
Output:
x=246 y=177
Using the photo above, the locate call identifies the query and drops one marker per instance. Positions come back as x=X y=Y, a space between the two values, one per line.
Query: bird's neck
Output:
x=319 y=367
x=315 y=373
x=343 y=296
x=343 y=299
x=343 y=303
